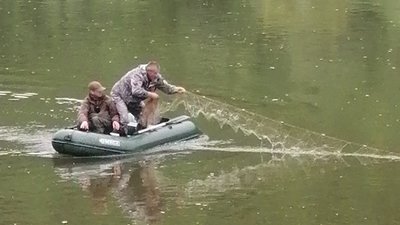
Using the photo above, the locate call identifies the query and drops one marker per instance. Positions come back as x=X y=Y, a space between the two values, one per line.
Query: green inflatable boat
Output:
x=79 y=143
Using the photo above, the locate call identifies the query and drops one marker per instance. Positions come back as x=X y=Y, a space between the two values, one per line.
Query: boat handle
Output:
x=68 y=137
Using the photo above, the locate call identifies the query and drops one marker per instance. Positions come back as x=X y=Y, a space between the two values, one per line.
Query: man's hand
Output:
x=153 y=95
x=180 y=90
x=84 y=125
x=115 y=125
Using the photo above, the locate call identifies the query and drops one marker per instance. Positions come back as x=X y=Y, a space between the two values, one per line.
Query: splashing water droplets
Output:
x=276 y=137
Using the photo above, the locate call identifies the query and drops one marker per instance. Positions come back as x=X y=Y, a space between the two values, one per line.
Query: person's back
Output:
x=130 y=87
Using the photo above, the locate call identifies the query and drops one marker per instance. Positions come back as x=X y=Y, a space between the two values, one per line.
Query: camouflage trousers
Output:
x=145 y=112
x=124 y=109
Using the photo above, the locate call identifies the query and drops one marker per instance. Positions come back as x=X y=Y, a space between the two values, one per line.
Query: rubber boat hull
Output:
x=79 y=143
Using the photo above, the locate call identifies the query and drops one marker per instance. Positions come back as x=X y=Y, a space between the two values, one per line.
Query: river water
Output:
x=297 y=100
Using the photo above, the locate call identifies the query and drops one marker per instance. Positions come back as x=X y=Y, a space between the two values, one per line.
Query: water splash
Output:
x=17 y=96
x=299 y=152
x=2 y=93
x=68 y=101
x=24 y=95
x=275 y=136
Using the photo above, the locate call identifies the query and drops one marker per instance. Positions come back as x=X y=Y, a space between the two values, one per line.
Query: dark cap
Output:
x=95 y=85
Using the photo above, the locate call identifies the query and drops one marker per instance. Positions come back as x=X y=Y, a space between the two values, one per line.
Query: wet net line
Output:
x=275 y=136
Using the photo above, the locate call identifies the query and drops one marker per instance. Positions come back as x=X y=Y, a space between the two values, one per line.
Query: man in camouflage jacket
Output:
x=138 y=85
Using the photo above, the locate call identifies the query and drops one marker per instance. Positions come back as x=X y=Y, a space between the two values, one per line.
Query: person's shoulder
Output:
x=85 y=103
x=86 y=99
x=107 y=98
x=137 y=71
x=140 y=67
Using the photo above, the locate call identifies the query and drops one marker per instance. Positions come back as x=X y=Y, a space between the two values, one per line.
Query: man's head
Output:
x=96 y=89
x=152 y=69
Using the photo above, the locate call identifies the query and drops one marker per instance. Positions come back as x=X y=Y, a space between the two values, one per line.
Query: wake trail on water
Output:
x=274 y=137
x=32 y=140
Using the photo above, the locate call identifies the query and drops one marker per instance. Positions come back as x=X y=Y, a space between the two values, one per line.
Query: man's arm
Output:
x=165 y=87
x=83 y=111
x=113 y=110
x=113 y=114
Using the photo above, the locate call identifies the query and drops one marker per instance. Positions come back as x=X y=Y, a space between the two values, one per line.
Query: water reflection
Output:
x=155 y=189
x=132 y=183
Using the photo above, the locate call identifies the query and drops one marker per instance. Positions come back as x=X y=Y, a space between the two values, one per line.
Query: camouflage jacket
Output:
x=135 y=84
x=104 y=107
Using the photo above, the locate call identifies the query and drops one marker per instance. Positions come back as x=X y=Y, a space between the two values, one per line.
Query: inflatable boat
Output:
x=79 y=143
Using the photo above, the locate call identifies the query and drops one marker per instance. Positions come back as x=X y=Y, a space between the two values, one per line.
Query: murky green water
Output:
x=301 y=111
